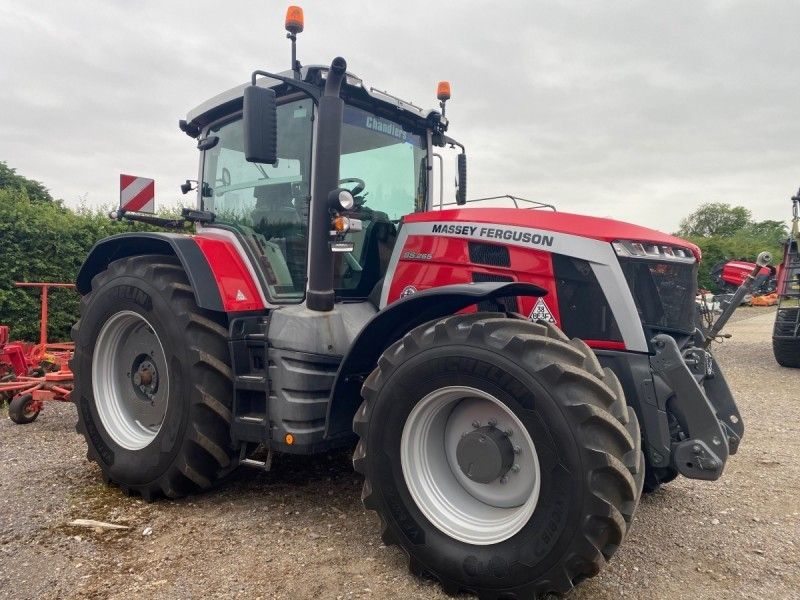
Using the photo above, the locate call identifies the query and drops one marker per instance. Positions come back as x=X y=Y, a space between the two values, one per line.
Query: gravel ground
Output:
x=300 y=531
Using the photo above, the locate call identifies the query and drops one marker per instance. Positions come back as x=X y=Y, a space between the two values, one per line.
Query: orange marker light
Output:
x=294 y=19
x=341 y=224
x=289 y=439
x=443 y=90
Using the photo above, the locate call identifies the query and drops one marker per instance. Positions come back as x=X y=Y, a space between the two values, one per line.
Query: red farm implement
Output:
x=31 y=374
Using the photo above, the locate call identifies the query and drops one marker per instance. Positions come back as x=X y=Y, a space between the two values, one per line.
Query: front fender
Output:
x=183 y=246
x=392 y=323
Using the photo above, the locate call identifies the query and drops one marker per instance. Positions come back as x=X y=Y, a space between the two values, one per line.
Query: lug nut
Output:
x=508 y=432
x=515 y=468
x=492 y=422
x=504 y=479
x=517 y=449
x=476 y=424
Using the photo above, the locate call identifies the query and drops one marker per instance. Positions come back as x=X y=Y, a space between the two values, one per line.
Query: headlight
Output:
x=653 y=251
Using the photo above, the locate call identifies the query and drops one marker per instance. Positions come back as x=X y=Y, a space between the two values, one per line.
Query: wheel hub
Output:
x=485 y=454
x=145 y=376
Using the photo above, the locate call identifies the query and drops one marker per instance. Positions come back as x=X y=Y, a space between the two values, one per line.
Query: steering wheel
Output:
x=359 y=187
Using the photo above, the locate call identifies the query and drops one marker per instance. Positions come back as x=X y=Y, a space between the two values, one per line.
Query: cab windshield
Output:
x=381 y=162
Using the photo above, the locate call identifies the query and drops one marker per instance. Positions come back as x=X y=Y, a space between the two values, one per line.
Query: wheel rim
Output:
x=475 y=497
x=130 y=380
x=27 y=408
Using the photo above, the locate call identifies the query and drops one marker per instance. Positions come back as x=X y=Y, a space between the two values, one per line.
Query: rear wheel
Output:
x=153 y=383
x=499 y=455
x=22 y=409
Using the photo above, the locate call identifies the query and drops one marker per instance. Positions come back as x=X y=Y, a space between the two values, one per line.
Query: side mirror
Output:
x=260 y=124
x=461 y=193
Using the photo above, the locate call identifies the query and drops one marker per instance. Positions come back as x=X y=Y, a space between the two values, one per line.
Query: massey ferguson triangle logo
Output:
x=540 y=312
x=240 y=297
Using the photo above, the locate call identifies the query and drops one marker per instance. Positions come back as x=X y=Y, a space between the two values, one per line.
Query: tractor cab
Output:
x=384 y=164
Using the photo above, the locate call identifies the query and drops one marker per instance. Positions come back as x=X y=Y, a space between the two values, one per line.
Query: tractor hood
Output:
x=608 y=230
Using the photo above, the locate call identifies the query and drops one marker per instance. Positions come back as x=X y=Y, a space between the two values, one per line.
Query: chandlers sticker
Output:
x=540 y=312
x=494 y=233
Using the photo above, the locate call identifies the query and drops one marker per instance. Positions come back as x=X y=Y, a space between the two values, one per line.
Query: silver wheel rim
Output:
x=472 y=512
x=130 y=381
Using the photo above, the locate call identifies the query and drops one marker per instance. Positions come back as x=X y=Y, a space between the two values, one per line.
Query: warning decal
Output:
x=540 y=312
x=137 y=194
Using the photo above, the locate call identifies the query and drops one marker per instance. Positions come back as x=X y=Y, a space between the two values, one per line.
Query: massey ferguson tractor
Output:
x=510 y=378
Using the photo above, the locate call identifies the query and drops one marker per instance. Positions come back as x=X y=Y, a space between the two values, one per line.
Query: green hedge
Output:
x=42 y=240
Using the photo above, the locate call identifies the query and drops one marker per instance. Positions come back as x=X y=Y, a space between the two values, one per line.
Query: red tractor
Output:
x=510 y=378
x=730 y=275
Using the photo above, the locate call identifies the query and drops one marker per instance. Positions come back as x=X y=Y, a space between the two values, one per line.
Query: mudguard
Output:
x=183 y=246
x=392 y=323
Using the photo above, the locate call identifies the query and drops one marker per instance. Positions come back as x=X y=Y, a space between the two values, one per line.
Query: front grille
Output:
x=489 y=254
x=664 y=292
x=509 y=302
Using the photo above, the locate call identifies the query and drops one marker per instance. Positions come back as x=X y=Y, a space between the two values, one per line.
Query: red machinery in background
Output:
x=730 y=275
x=31 y=374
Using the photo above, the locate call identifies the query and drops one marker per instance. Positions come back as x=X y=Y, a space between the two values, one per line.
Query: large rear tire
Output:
x=479 y=382
x=153 y=383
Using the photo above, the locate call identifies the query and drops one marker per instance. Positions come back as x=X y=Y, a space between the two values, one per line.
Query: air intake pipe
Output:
x=327 y=148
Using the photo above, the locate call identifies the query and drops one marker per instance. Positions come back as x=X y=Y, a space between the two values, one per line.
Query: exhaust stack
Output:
x=327 y=148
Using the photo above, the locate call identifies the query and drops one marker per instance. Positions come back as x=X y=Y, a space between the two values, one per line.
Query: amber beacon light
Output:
x=294 y=19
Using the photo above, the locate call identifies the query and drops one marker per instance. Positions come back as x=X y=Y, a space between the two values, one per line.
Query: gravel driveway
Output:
x=300 y=531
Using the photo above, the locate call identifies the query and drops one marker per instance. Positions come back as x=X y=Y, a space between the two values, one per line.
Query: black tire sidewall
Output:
x=128 y=292
x=550 y=529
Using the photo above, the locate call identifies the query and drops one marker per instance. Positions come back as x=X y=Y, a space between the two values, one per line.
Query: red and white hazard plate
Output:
x=137 y=194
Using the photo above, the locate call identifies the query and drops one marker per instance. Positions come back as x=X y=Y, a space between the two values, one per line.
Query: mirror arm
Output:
x=308 y=89
x=452 y=142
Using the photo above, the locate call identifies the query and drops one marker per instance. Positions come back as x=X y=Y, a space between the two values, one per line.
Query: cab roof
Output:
x=231 y=100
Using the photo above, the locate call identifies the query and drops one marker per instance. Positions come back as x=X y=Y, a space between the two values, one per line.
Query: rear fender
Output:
x=392 y=323
x=183 y=246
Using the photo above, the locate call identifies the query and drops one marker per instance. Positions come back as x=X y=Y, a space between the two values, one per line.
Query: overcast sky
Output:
x=636 y=110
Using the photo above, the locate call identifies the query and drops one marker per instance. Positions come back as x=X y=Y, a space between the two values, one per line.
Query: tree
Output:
x=35 y=191
x=774 y=232
x=715 y=219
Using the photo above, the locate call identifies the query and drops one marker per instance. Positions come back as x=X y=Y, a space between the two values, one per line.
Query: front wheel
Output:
x=499 y=455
